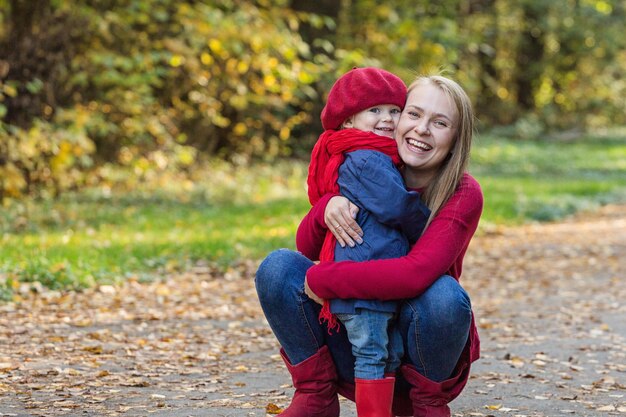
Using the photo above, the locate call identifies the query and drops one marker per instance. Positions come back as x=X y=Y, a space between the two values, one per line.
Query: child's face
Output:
x=381 y=120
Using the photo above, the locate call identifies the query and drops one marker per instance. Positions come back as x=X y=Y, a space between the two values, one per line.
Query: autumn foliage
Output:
x=161 y=84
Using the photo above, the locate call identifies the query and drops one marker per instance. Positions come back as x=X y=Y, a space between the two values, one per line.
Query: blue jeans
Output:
x=376 y=343
x=434 y=326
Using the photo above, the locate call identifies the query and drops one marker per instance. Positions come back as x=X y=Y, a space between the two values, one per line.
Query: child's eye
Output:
x=395 y=111
x=375 y=110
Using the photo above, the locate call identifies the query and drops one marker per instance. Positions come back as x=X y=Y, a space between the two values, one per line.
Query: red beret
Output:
x=358 y=90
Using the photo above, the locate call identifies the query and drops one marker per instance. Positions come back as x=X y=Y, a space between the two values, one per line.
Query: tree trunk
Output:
x=309 y=33
x=330 y=8
x=530 y=54
x=487 y=74
x=38 y=42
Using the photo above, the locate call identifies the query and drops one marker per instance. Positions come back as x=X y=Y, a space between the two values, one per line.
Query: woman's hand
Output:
x=340 y=215
x=311 y=294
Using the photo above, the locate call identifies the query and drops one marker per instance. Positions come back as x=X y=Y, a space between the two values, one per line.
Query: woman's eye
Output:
x=440 y=123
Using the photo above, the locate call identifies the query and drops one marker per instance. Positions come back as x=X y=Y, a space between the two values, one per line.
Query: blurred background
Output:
x=145 y=134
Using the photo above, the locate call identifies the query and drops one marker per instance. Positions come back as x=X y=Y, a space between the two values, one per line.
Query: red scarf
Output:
x=327 y=155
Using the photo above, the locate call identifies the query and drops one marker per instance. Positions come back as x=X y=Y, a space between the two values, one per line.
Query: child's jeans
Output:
x=376 y=344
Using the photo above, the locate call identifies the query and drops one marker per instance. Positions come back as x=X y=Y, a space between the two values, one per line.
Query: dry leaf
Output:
x=197 y=336
x=272 y=408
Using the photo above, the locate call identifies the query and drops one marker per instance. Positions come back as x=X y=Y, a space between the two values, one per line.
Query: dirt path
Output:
x=549 y=301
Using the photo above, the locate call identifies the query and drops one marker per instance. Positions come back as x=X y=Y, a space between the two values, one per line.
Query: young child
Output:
x=357 y=156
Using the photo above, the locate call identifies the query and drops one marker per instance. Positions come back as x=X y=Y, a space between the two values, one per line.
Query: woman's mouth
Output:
x=418 y=145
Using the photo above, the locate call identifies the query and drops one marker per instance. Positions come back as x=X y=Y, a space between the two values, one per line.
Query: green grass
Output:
x=543 y=181
x=112 y=239
x=102 y=236
x=228 y=213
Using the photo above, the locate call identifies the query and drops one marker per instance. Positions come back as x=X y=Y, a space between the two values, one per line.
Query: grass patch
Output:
x=543 y=181
x=104 y=235
x=224 y=213
x=111 y=241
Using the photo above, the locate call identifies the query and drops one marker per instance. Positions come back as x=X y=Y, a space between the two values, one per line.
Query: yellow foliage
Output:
x=45 y=155
x=176 y=60
x=186 y=155
x=287 y=95
x=256 y=44
x=272 y=63
x=545 y=93
x=11 y=180
x=604 y=7
x=216 y=46
x=220 y=121
x=240 y=129
x=305 y=77
x=63 y=158
x=9 y=90
x=269 y=81
x=206 y=58
x=242 y=67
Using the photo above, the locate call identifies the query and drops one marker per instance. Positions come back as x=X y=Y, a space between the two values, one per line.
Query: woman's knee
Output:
x=272 y=265
x=445 y=301
x=280 y=269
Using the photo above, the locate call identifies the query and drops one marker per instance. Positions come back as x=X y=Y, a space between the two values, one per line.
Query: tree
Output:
x=155 y=84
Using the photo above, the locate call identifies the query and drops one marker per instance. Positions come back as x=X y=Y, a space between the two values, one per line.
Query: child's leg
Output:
x=395 y=350
x=368 y=334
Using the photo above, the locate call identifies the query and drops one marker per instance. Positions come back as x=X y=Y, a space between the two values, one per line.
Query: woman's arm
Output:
x=330 y=211
x=439 y=251
x=312 y=230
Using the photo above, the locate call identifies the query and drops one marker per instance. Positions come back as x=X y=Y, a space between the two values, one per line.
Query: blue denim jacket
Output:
x=392 y=218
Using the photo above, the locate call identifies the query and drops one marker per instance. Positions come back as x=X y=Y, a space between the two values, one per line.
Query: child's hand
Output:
x=340 y=215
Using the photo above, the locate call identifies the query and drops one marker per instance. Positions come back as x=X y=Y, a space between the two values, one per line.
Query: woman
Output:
x=435 y=320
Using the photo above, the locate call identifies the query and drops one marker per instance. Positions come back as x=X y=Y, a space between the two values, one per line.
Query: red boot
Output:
x=429 y=398
x=315 y=381
x=374 y=397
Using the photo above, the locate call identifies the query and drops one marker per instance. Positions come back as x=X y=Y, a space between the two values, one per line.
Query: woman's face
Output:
x=425 y=133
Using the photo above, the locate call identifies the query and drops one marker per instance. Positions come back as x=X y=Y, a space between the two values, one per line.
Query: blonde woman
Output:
x=434 y=136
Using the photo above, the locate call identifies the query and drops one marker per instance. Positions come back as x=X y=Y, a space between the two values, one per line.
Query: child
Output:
x=357 y=156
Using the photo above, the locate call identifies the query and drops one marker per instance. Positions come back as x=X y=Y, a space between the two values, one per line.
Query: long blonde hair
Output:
x=449 y=175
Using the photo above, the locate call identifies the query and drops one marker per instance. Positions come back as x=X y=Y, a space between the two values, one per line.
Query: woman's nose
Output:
x=421 y=127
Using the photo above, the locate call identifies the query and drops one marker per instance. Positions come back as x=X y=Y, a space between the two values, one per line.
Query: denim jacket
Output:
x=391 y=217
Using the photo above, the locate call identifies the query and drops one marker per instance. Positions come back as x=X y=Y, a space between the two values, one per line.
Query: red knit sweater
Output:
x=440 y=250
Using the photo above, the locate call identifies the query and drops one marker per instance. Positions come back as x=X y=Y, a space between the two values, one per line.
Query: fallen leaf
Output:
x=272 y=408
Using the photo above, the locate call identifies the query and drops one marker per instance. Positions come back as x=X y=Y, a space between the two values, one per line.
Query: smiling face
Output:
x=381 y=120
x=426 y=133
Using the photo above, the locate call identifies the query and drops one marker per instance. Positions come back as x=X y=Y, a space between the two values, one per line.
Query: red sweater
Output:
x=440 y=250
